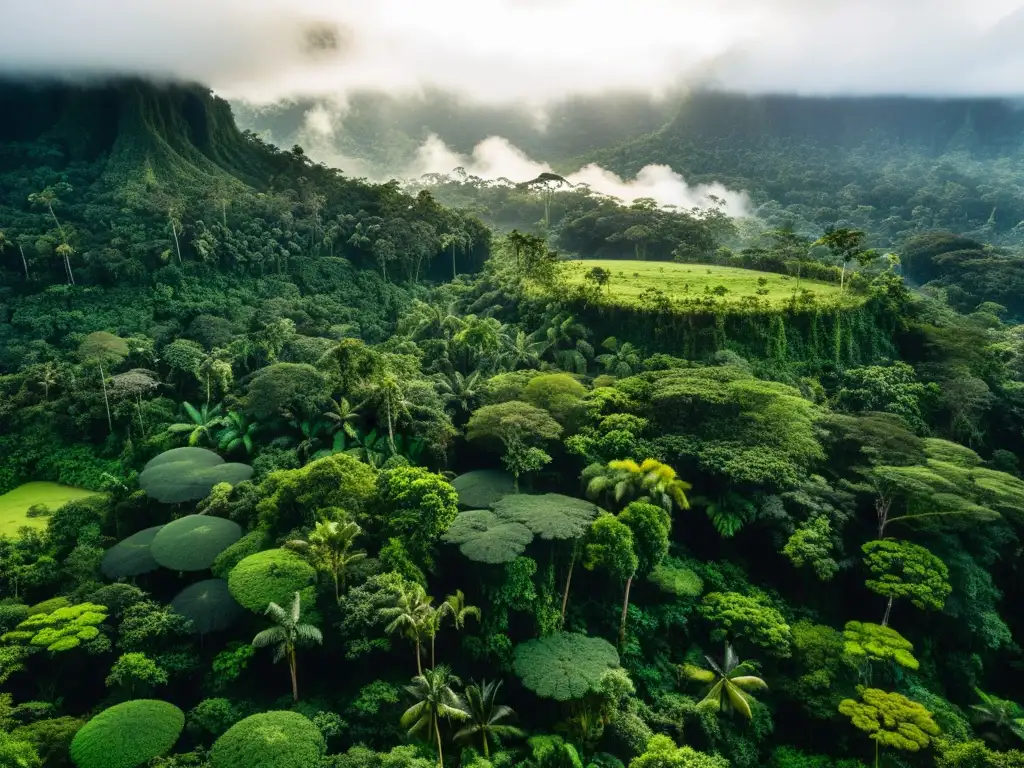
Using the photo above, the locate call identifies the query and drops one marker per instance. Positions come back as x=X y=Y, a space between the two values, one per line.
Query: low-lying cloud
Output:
x=526 y=50
x=496 y=158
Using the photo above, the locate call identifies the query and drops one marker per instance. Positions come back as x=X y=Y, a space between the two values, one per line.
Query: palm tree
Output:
x=731 y=683
x=435 y=699
x=454 y=606
x=485 y=716
x=621 y=359
x=479 y=339
x=312 y=431
x=343 y=415
x=567 y=343
x=288 y=635
x=369 y=448
x=201 y=423
x=519 y=350
x=329 y=548
x=625 y=480
x=412 y=616
x=462 y=391
x=387 y=393
x=999 y=715
x=238 y=432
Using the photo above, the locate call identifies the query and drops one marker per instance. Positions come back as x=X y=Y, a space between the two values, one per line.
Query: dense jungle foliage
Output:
x=375 y=485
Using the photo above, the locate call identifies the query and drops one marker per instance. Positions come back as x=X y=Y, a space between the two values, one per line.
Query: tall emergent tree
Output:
x=329 y=549
x=904 y=570
x=102 y=349
x=289 y=634
x=435 y=699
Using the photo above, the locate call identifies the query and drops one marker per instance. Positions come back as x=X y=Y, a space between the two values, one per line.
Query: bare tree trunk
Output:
x=888 y=610
x=437 y=732
x=106 y=400
x=419 y=666
x=177 y=246
x=294 y=673
x=391 y=428
x=625 y=610
x=23 y=262
x=842 y=278
x=568 y=581
x=453 y=262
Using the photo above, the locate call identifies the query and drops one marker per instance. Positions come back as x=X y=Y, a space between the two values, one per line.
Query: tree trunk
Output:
x=294 y=673
x=419 y=665
x=625 y=610
x=142 y=423
x=177 y=247
x=437 y=732
x=882 y=505
x=842 y=278
x=888 y=610
x=106 y=400
x=23 y=262
x=432 y=663
x=487 y=749
x=59 y=227
x=453 y=262
x=391 y=429
x=568 y=581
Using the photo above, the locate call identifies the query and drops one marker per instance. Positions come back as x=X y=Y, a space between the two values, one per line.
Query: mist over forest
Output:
x=511 y=384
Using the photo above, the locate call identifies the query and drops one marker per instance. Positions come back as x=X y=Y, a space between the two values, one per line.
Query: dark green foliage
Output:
x=131 y=556
x=280 y=387
x=548 y=516
x=484 y=537
x=249 y=544
x=739 y=617
x=193 y=542
x=208 y=605
x=188 y=474
x=564 y=666
x=482 y=487
x=269 y=740
x=271 y=576
x=128 y=734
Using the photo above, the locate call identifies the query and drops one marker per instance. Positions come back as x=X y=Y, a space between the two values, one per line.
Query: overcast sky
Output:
x=513 y=50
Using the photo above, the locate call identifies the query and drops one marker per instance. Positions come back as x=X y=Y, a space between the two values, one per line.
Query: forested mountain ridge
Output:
x=298 y=471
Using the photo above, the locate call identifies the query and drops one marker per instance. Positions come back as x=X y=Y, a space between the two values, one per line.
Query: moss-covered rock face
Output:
x=272 y=576
x=269 y=740
x=128 y=734
x=192 y=543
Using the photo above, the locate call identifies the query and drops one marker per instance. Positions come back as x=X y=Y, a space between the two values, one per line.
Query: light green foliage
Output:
x=249 y=544
x=188 y=474
x=738 y=617
x=552 y=752
x=14 y=504
x=630 y=279
x=564 y=666
x=550 y=516
x=60 y=630
x=271 y=576
x=483 y=537
x=624 y=479
x=134 y=671
x=131 y=556
x=650 y=527
x=15 y=753
x=102 y=348
x=662 y=752
x=512 y=424
x=192 y=543
x=290 y=497
x=891 y=719
x=208 y=605
x=812 y=544
x=48 y=606
x=902 y=570
x=213 y=716
x=609 y=545
x=434 y=700
x=420 y=504
x=150 y=626
x=672 y=576
x=296 y=387
x=560 y=394
x=892 y=388
x=865 y=641
x=974 y=754
x=482 y=487
x=183 y=356
x=229 y=664
x=269 y=740
x=730 y=684
x=399 y=757
x=51 y=738
x=128 y=734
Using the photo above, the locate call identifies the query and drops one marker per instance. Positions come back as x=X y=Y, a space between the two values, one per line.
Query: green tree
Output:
x=600 y=277
x=731 y=683
x=891 y=719
x=745 y=617
x=15 y=753
x=421 y=505
x=662 y=752
x=410 y=615
x=517 y=427
x=135 y=672
x=865 y=642
x=237 y=432
x=611 y=546
x=103 y=350
x=624 y=480
x=846 y=245
x=907 y=571
x=289 y=634
x=329 y=549
x=486 y=715
x=435 y=700
x=998 y=717
x=812 y=544
x=621 y=359
x=200 y=425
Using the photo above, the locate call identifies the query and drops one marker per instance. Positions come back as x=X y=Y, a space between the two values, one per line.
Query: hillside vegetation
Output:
x=377 y=482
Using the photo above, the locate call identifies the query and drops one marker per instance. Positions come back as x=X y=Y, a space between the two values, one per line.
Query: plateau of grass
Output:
x=629 y=279
x=14 y=504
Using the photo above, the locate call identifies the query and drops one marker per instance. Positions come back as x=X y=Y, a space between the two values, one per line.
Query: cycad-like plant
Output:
x=238 y=432
x=200 y=423
x=999 y=717
x=730 y=683
x=485 y=715
x=288 y=635
x=435 y=699
x=625 y=480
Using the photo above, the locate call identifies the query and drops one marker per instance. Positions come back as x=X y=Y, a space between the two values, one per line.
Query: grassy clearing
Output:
x=694 y=281
x=14 y=504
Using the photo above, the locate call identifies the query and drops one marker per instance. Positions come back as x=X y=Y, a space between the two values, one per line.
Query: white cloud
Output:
x=527 y=50
x=496 y=158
